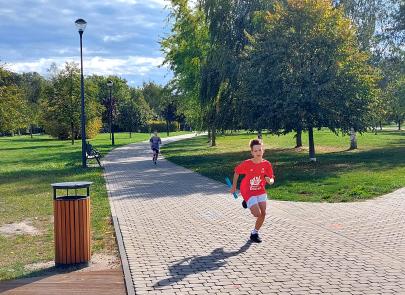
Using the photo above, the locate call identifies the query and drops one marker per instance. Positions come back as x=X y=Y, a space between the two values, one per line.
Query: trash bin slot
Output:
x=70 y=198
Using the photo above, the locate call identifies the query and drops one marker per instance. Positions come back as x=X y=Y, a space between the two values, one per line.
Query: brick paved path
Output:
x=183 y=234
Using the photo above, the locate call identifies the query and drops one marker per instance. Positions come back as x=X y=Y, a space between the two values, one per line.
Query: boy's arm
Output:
x=270 y=175
x=269 y=180
x=234 y=183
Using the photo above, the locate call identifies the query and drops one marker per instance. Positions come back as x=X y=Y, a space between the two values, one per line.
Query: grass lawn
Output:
x=339 y=175
x=27 y=168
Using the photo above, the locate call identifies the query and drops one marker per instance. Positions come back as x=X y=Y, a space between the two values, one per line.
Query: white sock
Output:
x=254 y=231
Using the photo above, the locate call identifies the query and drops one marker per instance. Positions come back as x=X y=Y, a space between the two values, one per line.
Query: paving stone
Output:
x=185 y=234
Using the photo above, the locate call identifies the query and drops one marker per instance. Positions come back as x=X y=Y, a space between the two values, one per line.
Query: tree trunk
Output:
x=353 y=139
x=130 y=134
x=399 y=123
x=311 y=145
x=213 y=137
x=380 y=126
x=298 y=139
x=73 y=132
x=32 y=127
x=167 y=127
x=209 y=135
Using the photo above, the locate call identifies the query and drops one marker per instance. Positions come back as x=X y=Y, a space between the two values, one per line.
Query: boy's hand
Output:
x=269 y=180
x=233 y=189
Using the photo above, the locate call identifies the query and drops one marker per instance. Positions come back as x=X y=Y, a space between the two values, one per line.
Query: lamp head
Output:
x=81 y=25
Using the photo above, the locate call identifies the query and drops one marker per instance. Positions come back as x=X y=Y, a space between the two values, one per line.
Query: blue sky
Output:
x=121 y=37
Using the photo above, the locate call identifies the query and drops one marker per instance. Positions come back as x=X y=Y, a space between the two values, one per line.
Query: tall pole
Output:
x=83 y=115
x=110 y=114
x=111 y=118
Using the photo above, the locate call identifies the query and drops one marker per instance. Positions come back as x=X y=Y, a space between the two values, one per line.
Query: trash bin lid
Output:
x=74 y=184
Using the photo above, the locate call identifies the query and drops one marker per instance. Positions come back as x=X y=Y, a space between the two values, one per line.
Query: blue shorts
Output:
x=253 y=200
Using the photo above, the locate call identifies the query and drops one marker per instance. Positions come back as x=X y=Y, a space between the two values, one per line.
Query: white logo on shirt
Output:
x=255 y=183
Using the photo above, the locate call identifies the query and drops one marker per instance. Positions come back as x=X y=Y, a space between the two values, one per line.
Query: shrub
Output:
x=93 y=127
x=160 y=126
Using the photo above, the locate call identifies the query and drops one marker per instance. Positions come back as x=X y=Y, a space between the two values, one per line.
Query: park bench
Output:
x=92 y=153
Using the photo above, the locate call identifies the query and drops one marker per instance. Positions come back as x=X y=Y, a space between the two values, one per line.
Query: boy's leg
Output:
x=260 y=220
x=259 y=211
x=255 y=210
x=257 y=206
x=154 y=155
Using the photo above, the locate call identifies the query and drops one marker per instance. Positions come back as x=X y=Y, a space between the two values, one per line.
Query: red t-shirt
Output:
x=253 y=183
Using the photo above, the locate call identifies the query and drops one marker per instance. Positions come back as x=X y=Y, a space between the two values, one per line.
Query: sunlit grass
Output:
x=339 y=175
x=28 y=166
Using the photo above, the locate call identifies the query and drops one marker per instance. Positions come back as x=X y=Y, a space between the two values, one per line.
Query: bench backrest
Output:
x=89 y=149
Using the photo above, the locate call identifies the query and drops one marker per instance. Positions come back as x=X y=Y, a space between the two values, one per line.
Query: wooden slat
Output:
x=72 y=233
x=81 y=231
x=86 y=242
x=76 y=231
x=58 y=235
x=63 y=231
x=67 y=228
x=91 y=282
x=55 y=226
x=89 y=228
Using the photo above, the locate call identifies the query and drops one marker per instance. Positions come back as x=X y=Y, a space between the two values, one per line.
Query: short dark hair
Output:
x=254 y=142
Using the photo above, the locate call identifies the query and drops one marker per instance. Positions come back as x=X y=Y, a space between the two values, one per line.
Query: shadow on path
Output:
x=196 y=264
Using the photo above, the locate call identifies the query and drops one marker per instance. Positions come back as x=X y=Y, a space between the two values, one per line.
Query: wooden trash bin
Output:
x=72 y=224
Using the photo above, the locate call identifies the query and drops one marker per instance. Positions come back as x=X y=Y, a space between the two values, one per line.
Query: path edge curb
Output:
x=130 y=288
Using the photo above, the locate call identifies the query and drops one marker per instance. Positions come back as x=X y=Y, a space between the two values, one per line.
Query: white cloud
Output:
x=39 y=66
x=132 y=65
x=128 y=66
x=162 y=3
x=118 y=37
x=151 y=3
x=121 y=37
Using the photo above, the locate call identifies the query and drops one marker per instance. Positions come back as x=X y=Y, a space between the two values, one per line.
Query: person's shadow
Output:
x=195 y=264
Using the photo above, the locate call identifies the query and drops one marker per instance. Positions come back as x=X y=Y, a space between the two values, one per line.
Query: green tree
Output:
x=33 y=86
x=152 y=94
x=62 y=105
x=120 y=93
x=134 y=112
x=400 y=18
x=304 y=70
x=396 y=100
x=168 y=108
x=13 y=108
x=220 y=71
x=185 y=51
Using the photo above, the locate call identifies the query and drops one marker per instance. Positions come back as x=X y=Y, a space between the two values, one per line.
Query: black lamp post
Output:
x=110 y=85
x=81 y=25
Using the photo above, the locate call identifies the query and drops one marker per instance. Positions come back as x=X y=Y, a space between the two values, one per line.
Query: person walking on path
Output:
x=257 y=173
x=155 y=143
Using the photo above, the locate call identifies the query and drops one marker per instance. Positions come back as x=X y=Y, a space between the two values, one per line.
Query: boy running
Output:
x=155 y=143
x=257 y=172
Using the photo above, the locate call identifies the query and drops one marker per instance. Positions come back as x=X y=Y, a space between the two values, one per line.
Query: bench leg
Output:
x=98 y=161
